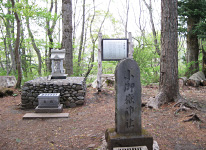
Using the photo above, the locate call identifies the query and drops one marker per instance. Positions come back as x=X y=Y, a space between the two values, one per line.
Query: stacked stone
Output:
x=72 y=91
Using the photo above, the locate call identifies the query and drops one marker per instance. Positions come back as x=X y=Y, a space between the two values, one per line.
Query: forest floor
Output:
x=86 y=124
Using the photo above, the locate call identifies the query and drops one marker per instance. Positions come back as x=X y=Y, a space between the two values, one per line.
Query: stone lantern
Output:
x=57 y=57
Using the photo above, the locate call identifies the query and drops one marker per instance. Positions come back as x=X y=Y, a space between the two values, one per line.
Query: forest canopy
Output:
x=40 y=30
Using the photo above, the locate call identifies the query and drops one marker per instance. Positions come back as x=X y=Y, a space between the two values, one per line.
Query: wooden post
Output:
x=131 y=46
x=99 y=73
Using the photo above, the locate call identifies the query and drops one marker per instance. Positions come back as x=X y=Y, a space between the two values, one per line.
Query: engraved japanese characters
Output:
x=128 y=97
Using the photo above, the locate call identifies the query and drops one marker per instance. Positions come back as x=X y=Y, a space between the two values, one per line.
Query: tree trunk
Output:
x=203 y=61
x=67 y=35
x=50 y=31
x=169 y=87
x=23 y=55
x=6 y=54
x=74 y=21
x=34 y=44
x=1 y=64
x=82 y=37
x=127 y=17
x=18 y=84
x=8 y=36
x=192 y=46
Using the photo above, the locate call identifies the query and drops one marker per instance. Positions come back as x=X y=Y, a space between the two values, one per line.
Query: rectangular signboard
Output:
x=114 y=49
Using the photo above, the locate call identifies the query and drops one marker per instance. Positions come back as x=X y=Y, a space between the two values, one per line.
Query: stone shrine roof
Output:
x=57 y=54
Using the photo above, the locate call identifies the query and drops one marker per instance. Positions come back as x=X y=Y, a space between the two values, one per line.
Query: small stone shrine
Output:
x=49 y=103
x=128 y=131
x=57 y=57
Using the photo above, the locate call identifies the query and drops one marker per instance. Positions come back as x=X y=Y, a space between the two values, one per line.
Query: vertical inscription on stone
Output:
x=128 y=97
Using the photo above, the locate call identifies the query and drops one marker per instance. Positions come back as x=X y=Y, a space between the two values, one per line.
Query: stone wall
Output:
x=72 y=91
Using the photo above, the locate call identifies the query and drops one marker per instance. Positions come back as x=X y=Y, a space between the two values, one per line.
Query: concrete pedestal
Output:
x=127 y=140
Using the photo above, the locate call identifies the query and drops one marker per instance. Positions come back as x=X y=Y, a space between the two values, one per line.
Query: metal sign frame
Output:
x=114 y=59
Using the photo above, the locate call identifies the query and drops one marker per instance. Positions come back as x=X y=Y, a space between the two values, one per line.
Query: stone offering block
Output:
x=48 y=100
x=49 y=103
x=128 y=97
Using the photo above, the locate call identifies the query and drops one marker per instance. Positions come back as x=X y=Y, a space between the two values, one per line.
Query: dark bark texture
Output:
x=18 y=84
x=67 y=35
x=203 y=61
x=169 y=88
x=192 y=46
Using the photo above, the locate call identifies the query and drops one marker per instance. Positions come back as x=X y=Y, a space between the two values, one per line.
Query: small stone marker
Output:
x=128 y=132
x=49 y=103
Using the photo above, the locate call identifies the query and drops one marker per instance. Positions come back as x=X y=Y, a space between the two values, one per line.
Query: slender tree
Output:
x=82 y=35
x=50 y=30
x=33 y=42
x=149 y=7
x=23 y=52
x=18 y=84
x=125 y=20
x=9 y=29
x=6 y=53
x=169 y=87
x=67 y=35
x=94 y=39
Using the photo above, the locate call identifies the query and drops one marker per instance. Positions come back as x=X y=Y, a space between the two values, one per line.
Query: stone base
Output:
x=49 y=110
x=127 y=140
x=59 y=77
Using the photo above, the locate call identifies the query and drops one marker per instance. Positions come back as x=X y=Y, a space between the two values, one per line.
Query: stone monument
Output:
x=128 y=131
x=49 y=103
x=57 y=57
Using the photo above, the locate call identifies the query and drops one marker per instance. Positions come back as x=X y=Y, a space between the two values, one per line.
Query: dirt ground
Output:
x=86 y=124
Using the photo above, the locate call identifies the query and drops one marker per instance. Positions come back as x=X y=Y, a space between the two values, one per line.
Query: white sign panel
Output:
x=114 y=49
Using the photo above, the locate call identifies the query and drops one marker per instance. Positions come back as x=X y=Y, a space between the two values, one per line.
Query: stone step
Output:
x=45 y=115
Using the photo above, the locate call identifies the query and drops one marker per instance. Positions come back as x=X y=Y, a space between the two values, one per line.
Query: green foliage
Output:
x=108 y=67
x=201 y=29
x=194 y=9
x=2 y=72
x=147 y=59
